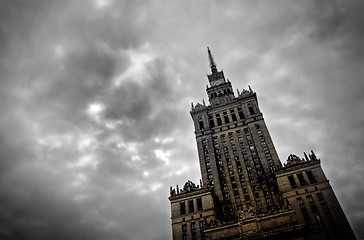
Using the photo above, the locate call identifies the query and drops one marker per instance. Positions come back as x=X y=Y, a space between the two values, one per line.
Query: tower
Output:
x=236 y=153
x=245 y=191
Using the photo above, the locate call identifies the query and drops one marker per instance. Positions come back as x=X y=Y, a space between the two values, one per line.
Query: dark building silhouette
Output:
x=246 y=192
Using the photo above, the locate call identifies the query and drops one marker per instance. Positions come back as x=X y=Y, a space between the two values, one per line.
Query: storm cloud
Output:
x=95 y=98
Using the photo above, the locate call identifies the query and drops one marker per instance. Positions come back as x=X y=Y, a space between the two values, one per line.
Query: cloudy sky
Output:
x=95 y=98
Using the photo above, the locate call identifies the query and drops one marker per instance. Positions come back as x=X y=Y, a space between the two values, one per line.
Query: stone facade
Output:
x=245 y=191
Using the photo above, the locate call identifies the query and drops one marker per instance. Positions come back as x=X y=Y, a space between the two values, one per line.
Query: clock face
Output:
x=215 y=83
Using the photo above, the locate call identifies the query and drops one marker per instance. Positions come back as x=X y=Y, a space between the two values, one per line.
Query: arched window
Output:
x=201 y=125
x=251 y=109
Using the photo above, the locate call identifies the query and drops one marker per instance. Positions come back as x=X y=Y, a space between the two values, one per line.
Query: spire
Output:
x=212 y=61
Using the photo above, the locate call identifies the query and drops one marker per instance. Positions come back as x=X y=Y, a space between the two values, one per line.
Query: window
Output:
x=243 y=183
x=227 y=195
x=220 y=162
x=233 y=116
x=259 y=132
x=193 y=225
x=264 y=186
x=251 y=147
x=226 y=118
x=251 y=109
x=200 y=122
x=202 y=223
x=310 y=177
x=263 y=143
x=199 y=204
x=208 y=163
x=194 y=236
x=240 y=113
x=190 y=206
x=259 y=203
x=218 y=118
x=300 y=201
x=269 y=200
x=252 y=181
x=184 y=227
x=182 y=207
x=238 y=200
x=236 y=193
x=301 y=179
x=292 y=181
x=256 y=195
x=230 y=166
x=309 y=198
x=248 y=168
x=267 y=155
x=319 y=196
x=245 y=190
x=209 y=170
x=269 y=161
x=211 y=121
x=185 y=237
x=226 y=188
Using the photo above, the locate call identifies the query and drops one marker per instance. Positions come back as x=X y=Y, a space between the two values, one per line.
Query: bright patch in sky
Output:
x=137 y=71
x=162 y=155
x=58 y=52
x=102 y=3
